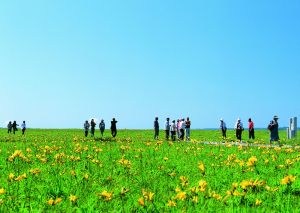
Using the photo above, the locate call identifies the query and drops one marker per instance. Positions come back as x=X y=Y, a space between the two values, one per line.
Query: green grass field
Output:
x=61 y=171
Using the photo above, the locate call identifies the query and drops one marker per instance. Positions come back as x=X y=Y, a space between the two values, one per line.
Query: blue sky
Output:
x=62 y=62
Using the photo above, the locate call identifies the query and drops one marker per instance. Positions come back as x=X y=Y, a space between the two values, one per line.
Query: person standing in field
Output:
x=167 y=128
x=113 y=127
x=102 y=127
x=223 y=128
x=173 y=130
x=93 y=125
x=239 y=129
x=9 y=127
x=23 y=127
x=251 y=129
x=182 y=127
x=86 y=126
x=156 y=128
x=188 y=128
x=178 y=128
x=273 y=128
x=14 y=127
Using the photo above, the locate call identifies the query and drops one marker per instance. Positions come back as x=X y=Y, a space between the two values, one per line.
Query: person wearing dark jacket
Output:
x=156 y=128
x=273 y=128
x=93 y=125
x=9 y=127
x=14 y=127
x=113 y=127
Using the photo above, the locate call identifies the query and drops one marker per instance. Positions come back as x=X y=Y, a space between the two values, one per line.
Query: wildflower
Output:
x=258 y=202
x=201 y=167
x=141 y=201
x=21 y=177
x=184 y=181
x=2 y=191
x=235 y=185
x=236 y=193
x=195 y=199
x=245 y=183
x=50 y=202
x=86 y=176
x=148 y=195
x=173 y=174
x=11 y=176
x=252 y=161
x=288 y=179
x=216 y=196
x=73 y=198
x=180 y=196
x=106 y=195
x=35 y=171
x=171 y=203
x=202 y=185
x=124 y=191
x=165 y=158
x=58 y=200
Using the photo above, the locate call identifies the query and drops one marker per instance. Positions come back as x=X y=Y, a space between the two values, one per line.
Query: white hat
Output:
x=221 y=119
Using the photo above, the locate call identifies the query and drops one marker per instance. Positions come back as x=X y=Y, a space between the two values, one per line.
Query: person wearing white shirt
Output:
x=239 y=129
x=23 y=127
x=182 y=127
x=173 y=130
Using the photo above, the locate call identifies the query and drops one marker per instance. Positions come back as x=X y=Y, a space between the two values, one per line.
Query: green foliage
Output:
x=62 y=171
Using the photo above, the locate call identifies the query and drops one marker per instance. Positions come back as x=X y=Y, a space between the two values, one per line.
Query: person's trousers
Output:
x=86 y=132
x=156 y=133
x=181 y=134
x=114 y=132
x=173 y=135
x=167 y=134
x=251 y=134
x=188 y=133
x=238 y=134
x=224 y=133
x=23 y=131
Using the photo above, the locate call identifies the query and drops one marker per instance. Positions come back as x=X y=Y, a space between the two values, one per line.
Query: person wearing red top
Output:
x=251 y=129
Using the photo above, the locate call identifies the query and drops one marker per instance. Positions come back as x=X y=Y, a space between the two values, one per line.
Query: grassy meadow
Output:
x=62 y=171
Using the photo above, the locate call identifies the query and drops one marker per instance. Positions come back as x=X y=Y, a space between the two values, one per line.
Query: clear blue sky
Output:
x=63 y=62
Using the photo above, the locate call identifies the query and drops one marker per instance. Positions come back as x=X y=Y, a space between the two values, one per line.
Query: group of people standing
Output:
x=12 y=127
x=181 y=128
x=239 y=128
x=93 y=124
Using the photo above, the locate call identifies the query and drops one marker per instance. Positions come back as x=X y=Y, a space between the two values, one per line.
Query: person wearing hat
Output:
x=93 y=125
x=273 y=127
x=223 y=128
x=239 y=129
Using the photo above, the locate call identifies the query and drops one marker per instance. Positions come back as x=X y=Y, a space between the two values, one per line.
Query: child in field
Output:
x=102 y=127
x=86 y=126
x=23 y=127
